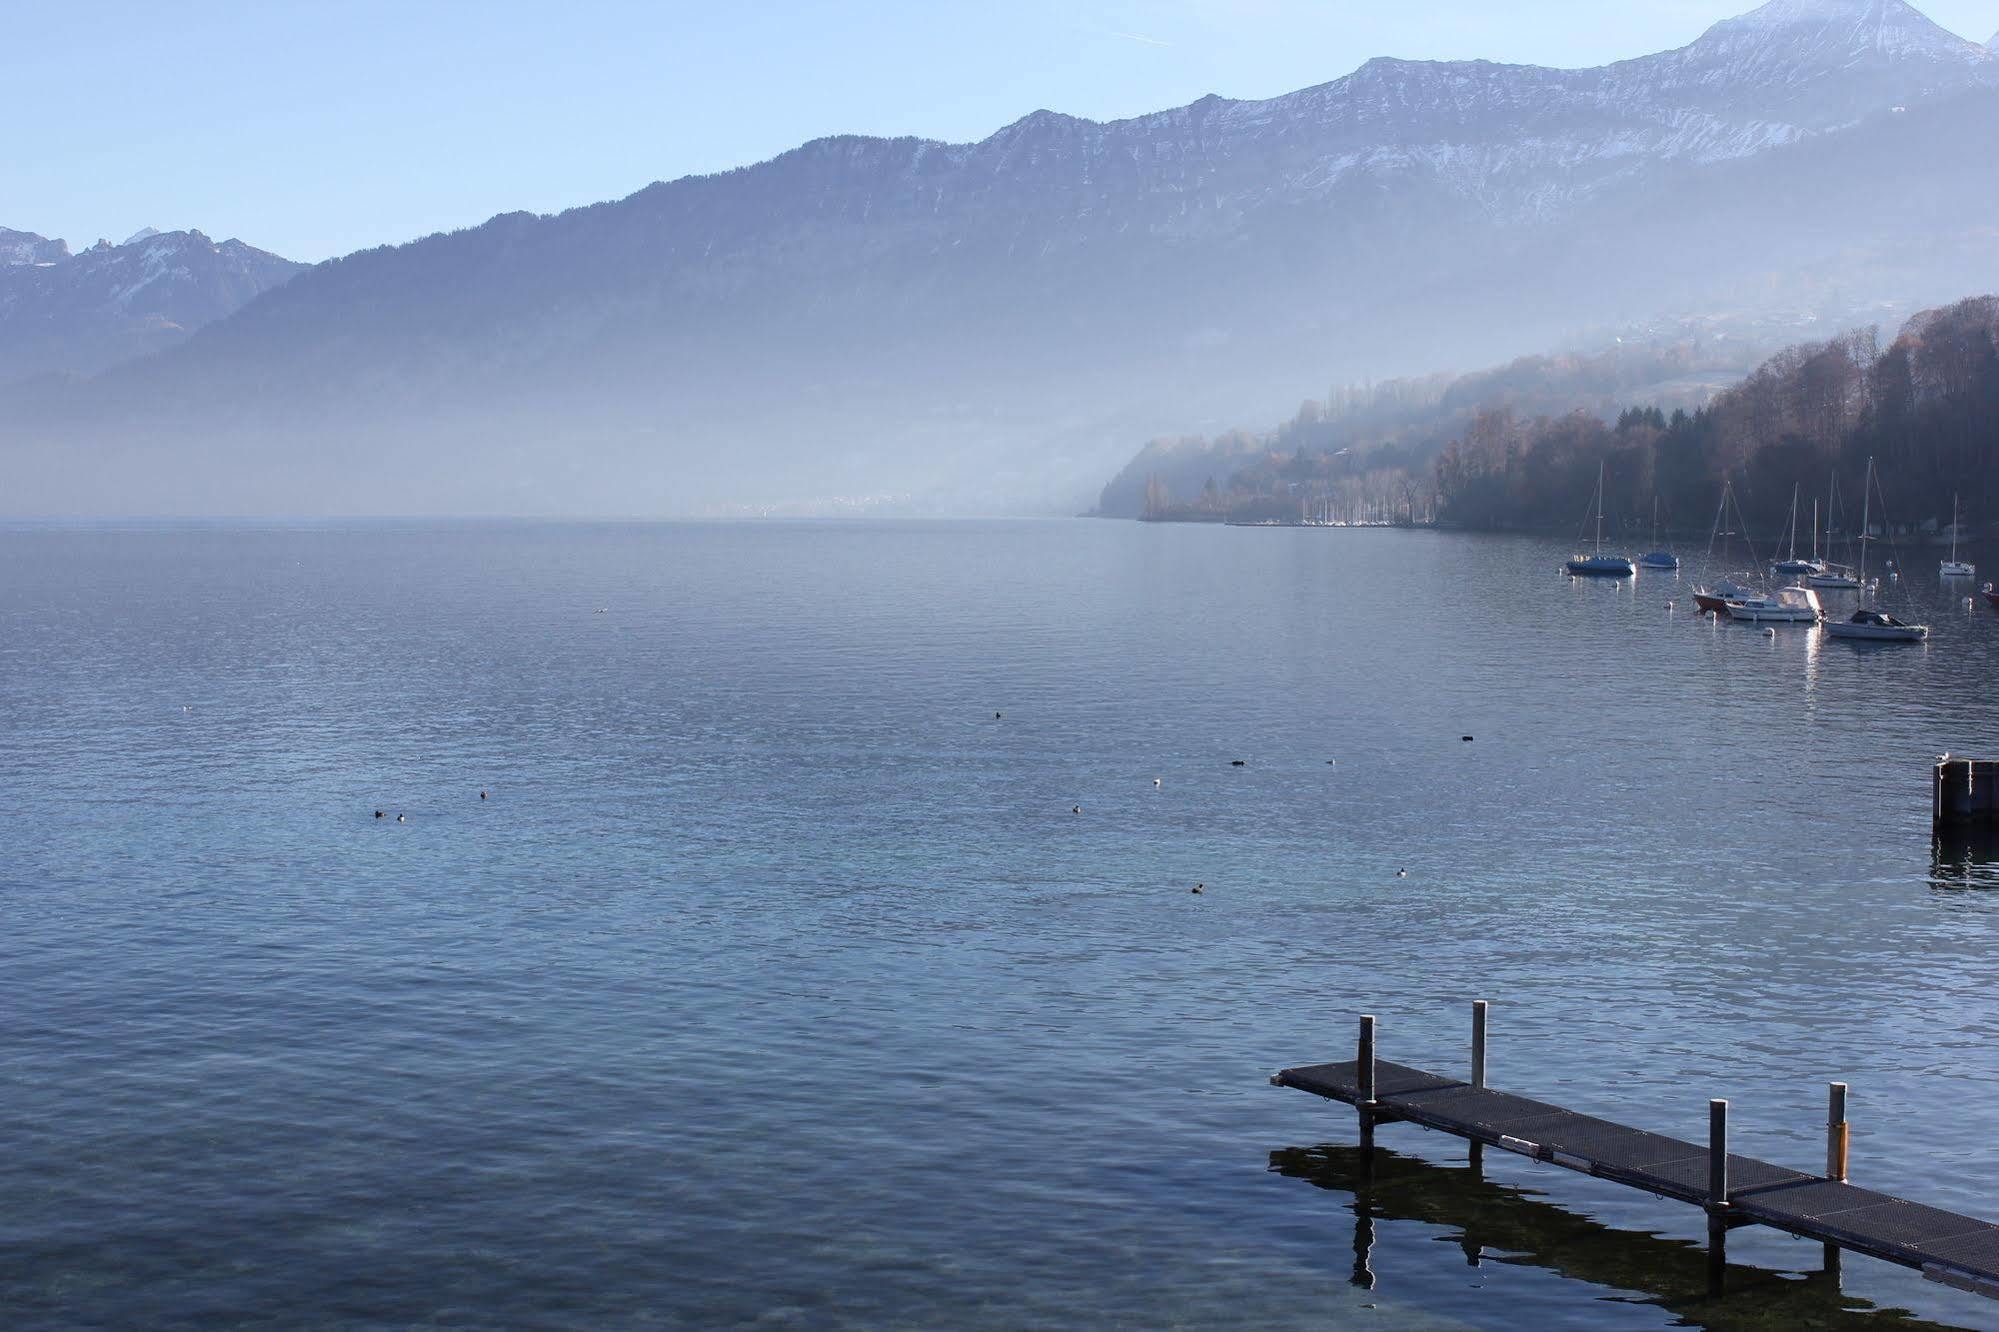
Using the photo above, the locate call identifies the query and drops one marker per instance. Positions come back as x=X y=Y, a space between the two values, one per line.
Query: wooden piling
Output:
x=1837 y=1134
x=1717 y=1155
x=1478 y=1044
x=1367 y=1060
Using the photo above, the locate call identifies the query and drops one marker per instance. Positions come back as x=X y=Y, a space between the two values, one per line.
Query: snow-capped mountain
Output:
x=994 y=324
x=18 y=248
x=80 y=313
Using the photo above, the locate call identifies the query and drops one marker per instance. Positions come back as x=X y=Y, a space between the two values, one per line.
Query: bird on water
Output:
x=1199 y=888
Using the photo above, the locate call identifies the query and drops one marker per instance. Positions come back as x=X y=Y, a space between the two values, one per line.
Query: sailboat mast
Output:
x=1599 y=507
x=1954 y=497
x=1866 y=513
x=1815 y=531
x=1794 y=521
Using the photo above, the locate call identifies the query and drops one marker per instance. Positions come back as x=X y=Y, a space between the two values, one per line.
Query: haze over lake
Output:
x=778 y=980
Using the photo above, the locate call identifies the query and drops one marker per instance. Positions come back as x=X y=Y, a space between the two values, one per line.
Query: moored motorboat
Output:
x=1715 y=599
x=1875 y=627
x=1787 y=605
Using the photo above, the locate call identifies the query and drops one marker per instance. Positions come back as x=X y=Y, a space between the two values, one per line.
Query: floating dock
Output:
x=1959 y=1251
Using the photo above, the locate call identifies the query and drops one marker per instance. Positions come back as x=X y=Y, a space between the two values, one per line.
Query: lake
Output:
x=778 y=978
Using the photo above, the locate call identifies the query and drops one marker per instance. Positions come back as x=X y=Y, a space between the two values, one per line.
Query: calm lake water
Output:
x=777 y=980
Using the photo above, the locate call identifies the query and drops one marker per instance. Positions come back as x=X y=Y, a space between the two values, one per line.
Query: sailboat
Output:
x=1870 y=625
x=1792 y=564
x=1598 y=564
x=1656 y=558
x=1830 y=576
x=1715 y=595
x=1954 y=567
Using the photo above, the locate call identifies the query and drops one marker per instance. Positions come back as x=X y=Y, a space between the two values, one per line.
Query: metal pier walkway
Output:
x=1959 y=1251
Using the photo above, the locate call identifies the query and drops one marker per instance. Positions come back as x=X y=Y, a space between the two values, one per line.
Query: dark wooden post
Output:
x=1478 y=1044
x=1365 y=1074
x=1717 y=1154
x=1836 y=1133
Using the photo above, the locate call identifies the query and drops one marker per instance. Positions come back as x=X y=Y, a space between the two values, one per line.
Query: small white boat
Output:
x=1954 y=567
x=1834 y=578
x=1787 y=605
x=1874 y=627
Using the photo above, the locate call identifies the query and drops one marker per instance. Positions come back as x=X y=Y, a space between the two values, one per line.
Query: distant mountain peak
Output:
x=143 y=233
x=26 y=248
x=1993 y=45
x=1823 y=29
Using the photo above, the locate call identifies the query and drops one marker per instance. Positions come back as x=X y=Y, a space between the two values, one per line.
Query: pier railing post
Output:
x=1836 y=1133
x=1717 y=1198
x=1366 y=1059
x=1717 y=1154
x=1478 y=1044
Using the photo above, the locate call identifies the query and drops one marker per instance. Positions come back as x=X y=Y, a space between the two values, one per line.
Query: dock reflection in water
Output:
x=1502 y=1224
x=1965 y=858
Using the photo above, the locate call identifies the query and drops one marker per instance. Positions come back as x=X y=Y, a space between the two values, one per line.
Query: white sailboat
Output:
x=1873 y=625
x=1831 y=577
x=1791 y=564
x=1713 y=594
x=1954 y=567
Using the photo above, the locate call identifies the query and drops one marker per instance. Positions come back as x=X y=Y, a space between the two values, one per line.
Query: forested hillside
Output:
x=1365 y=444
x=1926 y=409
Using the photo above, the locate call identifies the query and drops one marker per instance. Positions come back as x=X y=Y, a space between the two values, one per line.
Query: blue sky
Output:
x=318 y=128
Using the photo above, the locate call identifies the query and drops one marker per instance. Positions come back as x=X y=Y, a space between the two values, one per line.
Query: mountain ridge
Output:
x=63 y=313
x=994 y=323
